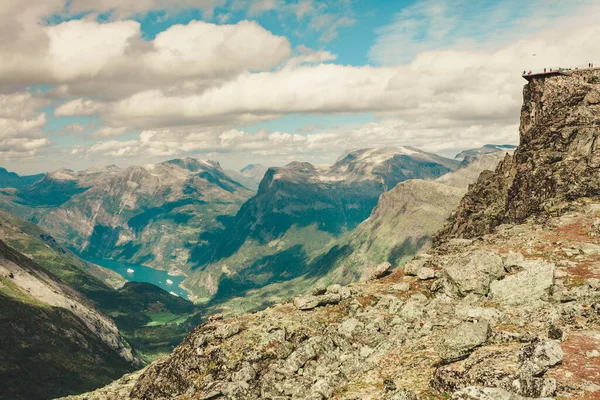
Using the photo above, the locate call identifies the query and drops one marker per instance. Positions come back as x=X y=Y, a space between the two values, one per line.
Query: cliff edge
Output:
x=557 y=160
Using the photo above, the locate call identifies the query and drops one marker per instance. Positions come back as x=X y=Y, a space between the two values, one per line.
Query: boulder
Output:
x=349 y=326
x=540 y=355
x=474 y=271
x=308 y=302
x=480 y=393
x=535 y=387
x=533 y=283
x=380 y=270
x=414 y=307
x=401 y=287
x=457 y=343
x=425 y=273
x=412 y=267
x=298 y=359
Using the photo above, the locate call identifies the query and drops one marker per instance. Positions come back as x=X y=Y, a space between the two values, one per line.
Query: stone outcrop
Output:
x=557 y=161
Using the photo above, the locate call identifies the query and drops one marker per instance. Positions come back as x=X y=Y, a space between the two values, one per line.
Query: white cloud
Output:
x=77 y=107
x=448 y=86
x=109 y=59
x=109 y=132
x=260 y=6
x=21 y=127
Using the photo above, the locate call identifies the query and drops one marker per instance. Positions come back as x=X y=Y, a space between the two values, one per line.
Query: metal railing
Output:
x=554 y=70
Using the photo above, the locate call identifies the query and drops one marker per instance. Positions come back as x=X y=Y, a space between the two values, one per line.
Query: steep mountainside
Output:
x=556 y=162
x=53 y=341
x=144 y=313
x=512 y=315
x=249 y=176
x=299 y=211
x=406 y=218
x=145 y=214
x=400 y=226
x=11 y=179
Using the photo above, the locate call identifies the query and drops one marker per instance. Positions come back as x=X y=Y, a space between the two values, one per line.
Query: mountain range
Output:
x=306 y=226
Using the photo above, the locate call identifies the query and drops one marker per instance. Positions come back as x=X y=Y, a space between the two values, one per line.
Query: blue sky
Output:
x=271 y=81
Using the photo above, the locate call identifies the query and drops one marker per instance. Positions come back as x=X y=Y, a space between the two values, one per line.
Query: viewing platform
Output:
x=555 y=71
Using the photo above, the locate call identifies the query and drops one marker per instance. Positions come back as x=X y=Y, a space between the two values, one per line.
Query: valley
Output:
x=141 y=273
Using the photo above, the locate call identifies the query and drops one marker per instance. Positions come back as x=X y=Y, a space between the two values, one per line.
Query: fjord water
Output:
x=141 y=273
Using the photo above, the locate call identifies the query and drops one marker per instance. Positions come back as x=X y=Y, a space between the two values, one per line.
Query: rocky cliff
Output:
x=407 y=216
x=48 y=331
x=558 y=159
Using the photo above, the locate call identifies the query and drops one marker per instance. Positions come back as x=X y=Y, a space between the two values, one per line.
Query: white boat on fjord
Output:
x=130 y=271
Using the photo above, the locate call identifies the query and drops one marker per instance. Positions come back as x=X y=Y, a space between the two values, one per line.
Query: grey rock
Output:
x=425 y=273
x=412 y=267
x=380 y=270
x=535 y=387
x=414 y=307
x=481 y=393
x=308 y=302
x=349 y=326
x=533 y=283
x=539 y=356
x=227 y=330
x=469 y=312
x=401 y=287
x=473 y=272
x=298 y=359
x=457 y=343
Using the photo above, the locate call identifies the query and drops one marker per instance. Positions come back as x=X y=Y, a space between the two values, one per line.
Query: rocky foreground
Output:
x=512 y=315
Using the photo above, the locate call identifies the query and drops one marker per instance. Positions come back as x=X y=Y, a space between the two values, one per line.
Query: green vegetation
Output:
x=134 y=307
x=42 y=354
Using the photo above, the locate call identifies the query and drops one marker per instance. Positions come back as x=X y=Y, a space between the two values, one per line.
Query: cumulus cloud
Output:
x=467 y=87
x=79 y=107
x=21 y=133
x=194 y=87
x=89 y=57
x=109 y=132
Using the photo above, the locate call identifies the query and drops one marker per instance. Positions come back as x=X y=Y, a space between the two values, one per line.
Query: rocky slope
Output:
x=511 y=315
x=407 y=216
x=249 y=176
x=141 y=311
x=49 y=332
x=557 y=159
x=144 y=214
x=298 y=211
